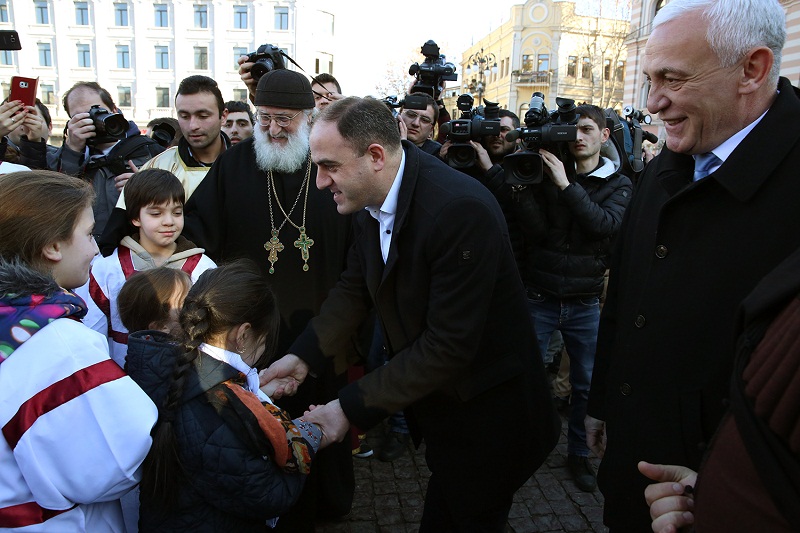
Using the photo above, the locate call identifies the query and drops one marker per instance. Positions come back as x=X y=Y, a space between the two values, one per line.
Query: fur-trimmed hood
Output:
x=21 y=279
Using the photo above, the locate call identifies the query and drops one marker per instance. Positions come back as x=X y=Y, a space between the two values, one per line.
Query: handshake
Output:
x=284 y=376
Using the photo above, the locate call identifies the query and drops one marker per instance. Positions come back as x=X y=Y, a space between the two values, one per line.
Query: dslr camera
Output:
x=473 y=124
x=108 y=126
x=267 y=57
x=542 y=129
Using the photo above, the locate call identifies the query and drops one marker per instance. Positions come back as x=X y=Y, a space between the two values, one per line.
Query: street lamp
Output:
x=480 y=62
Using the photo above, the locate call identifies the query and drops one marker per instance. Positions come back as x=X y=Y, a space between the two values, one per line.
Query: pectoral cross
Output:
x=273 y=246
x=303 y=243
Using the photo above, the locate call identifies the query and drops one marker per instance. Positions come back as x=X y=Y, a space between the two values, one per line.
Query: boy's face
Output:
x=159 y=226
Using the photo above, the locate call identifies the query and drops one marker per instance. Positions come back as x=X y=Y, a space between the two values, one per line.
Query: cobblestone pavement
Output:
x=389 y=497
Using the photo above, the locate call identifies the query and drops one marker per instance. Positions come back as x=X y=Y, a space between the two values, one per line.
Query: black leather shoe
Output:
x=394 y=446
x=582 y=472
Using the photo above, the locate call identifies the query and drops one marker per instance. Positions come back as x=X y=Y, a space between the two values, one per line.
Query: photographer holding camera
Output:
x=416 y=125
x=101 y=146
x=569 y=220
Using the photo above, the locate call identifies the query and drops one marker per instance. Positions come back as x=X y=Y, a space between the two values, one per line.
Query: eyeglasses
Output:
x=281 y=120
x=413 y=115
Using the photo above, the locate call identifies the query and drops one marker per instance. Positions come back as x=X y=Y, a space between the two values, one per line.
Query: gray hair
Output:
x=735 y=27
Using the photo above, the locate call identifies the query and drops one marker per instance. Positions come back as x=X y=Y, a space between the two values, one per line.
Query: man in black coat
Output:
x=692 y=247
x=569 y=222
x=432 y=256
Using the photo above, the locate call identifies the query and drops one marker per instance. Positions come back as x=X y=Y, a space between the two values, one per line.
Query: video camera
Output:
x=473 y=124
x=634 y=119
x=432 y=73
x=266 y=58
x=430 y=77
x=542 y=129
x=108 y=126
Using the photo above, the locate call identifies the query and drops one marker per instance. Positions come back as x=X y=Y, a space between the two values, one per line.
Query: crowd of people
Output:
x=198 y=325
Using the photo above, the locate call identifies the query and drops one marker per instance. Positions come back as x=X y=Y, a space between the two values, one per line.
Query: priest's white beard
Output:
x=288 y=158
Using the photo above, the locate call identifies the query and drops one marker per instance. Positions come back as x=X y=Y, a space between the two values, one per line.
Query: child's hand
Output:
x=279 y=387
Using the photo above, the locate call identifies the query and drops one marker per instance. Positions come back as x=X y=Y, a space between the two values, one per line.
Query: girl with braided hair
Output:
x=75 y=428
x=223 y=457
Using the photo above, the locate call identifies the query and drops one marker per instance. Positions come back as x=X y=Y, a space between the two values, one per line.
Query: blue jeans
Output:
x=577 y=319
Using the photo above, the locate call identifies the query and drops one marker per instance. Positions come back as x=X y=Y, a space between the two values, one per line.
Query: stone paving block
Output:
x=386 y=501
x=390 y=517
x=518 y=510
x=385 y=487
x=411 y=501
x=546 y=523
x=573 y=522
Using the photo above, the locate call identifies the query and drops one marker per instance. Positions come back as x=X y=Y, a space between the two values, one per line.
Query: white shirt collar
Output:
x=235 y=360
x=386 y=212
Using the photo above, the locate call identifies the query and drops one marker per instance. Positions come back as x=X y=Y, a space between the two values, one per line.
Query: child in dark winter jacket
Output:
x=224 y=458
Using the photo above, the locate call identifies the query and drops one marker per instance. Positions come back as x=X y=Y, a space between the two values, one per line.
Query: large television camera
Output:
x=542 y=129
x=472 y=125
x=429 y=75
x=266 y=58
x=432 y=73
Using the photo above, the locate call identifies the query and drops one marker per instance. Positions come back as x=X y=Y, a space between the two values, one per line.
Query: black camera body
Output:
x=472 y=125
x=433 y=72
x=266 y=58
x=542 y=129
x=163 y=134
x=108 y=126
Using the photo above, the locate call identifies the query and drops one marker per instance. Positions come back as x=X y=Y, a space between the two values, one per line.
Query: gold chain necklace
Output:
x=303 y=243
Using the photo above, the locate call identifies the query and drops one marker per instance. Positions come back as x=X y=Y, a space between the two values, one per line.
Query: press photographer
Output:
x=569 y=198
x=102 y=146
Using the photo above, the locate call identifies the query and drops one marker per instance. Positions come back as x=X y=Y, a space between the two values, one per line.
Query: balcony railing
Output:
x=532 y=77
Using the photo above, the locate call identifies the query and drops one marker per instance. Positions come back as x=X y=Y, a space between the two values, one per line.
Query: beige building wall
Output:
x=542 y=48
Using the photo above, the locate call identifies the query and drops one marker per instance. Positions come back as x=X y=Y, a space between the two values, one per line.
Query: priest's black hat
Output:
x=284 y=88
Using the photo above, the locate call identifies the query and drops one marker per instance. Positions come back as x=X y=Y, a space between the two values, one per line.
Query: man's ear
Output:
x=605 y=135
x=52 y=252
x=378 y=155
x=223 y=116
x=755 y=69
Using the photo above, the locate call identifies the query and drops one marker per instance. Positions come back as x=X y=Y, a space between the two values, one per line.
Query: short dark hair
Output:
x=201 y=84
x=152 y=186
x=593 y=112
x=510 y=114
x=105 y=96
x=363 y=121
x=237 y=106
x=429 y=101
x=323 y=78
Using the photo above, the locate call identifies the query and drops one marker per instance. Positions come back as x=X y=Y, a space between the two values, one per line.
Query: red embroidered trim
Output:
x=58 y=394
x=27 y=514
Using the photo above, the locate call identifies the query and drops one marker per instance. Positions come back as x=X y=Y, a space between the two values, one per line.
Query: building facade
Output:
x=140 y=50
x=559 y=48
